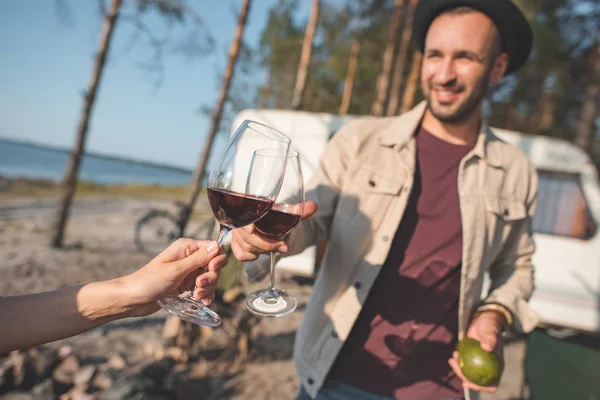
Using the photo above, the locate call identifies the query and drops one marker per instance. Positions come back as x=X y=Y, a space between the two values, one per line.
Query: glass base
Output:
x=188 y=309
x=271 y=303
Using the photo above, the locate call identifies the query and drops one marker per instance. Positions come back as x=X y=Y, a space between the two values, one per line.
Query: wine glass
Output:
x=235 y=202
x=278 y=222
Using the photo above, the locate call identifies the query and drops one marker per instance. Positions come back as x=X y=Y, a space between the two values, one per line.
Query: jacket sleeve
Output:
x=512 y=275
x=324 y=188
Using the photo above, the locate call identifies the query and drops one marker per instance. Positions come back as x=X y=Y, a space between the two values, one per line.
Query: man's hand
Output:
x=247 y=245
x=176 y=270
x=487 y=328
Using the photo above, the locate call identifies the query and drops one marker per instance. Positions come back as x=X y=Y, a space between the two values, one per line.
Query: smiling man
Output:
x=415 y=210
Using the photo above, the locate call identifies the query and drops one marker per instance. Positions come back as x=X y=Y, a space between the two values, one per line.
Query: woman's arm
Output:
x=44 y=317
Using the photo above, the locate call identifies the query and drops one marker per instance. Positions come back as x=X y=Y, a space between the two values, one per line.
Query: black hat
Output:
x=517 y=37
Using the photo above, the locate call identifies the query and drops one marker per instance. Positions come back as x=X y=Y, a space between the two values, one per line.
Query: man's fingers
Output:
x=255 y=242
x=488 y=342
x=466 y=383
x=240 y=254
x=310 y=207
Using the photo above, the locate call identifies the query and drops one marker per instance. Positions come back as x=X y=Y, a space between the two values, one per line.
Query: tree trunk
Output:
x=383 y=80
x=216 y=116
x=401 y=60
x=587 y=121
x=589 y=107
x=305 y=57
x=349 y=82
x=69 y=183
x=410 y=91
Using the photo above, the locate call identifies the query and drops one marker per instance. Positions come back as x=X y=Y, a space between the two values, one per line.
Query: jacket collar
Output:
x=402 y=129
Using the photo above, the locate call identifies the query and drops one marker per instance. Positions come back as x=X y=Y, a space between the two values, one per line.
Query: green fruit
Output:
x=479 y=366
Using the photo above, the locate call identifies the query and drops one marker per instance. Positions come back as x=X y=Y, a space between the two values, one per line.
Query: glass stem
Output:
x=272 y=275
x=223 y=231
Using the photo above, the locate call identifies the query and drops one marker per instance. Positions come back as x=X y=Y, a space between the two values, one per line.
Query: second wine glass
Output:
x=285 y=214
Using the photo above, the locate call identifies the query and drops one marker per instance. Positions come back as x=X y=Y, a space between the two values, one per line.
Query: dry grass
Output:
x=16 y=188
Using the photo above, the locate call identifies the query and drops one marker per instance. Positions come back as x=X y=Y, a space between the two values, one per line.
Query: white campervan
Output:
x=567 y=257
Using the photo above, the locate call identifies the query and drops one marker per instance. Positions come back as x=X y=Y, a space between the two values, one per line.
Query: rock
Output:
x=177 y=354
x=44 y=389
x=206 y=331
x=233 y=294
x=84 y=375
x=64 y=375
x=128 y=386
x=24 y=375
x=176 y=377
x=103 y=380
x=158 y=395
x=158 y=370
x=19 y=396
x=64 y=352
x=7 y=379
x=171 y=329
x=153 y=350
x=117 y=362
x=78 y=393
x=43 y=361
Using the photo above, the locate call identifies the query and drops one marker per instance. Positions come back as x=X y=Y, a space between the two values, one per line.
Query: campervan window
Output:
x=562 y=207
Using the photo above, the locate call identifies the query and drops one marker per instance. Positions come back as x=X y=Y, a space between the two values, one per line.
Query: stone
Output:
x=65 y=351
x=177 y=354
x=158 y=370
x=24 y=375
x=7 y=379
x=78 y=393
x=44 y=389
x=153 y=349
x=43 y=361
x=171 y=329
x=155 y=395
x=128 y=386
x=64 y=375
x=116 y=362
x=84 y=375
x=233 y=294
x=102 y=380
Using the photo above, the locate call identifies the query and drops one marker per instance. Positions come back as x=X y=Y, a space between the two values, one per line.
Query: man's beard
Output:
x=466 y=109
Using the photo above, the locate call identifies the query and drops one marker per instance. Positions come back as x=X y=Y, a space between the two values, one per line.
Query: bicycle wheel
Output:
x=155 y=231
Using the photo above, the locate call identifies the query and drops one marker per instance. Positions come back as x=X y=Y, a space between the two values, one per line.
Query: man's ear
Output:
x=499 y=68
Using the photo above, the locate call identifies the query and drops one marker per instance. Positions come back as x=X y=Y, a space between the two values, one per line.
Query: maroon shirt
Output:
x=408 y=328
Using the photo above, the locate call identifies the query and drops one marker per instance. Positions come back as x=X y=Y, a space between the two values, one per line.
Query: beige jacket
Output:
x=362 y=187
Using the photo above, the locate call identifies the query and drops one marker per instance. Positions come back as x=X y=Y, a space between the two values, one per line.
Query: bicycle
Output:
x=157 y=229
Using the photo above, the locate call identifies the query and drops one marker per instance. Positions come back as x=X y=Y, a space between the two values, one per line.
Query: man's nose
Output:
x=446 y=74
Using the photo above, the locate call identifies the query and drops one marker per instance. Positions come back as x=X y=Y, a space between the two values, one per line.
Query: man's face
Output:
x=458 y=64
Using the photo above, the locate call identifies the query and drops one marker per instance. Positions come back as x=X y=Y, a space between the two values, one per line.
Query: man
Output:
x=415 y=209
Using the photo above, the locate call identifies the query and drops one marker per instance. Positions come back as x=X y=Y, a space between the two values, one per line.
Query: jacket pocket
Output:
x=503 y=216
x=506 y=209
x=368 y=195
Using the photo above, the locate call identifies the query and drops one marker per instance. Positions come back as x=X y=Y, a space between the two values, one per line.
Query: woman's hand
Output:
x=174 y=271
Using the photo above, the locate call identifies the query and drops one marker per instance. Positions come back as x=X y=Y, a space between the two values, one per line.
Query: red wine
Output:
x=234 y=210
x=276 y=224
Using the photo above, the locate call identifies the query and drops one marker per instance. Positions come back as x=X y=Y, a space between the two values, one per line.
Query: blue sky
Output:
x=46 y=63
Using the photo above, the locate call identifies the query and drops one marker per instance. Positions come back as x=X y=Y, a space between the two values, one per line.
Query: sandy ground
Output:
x=100 y=246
